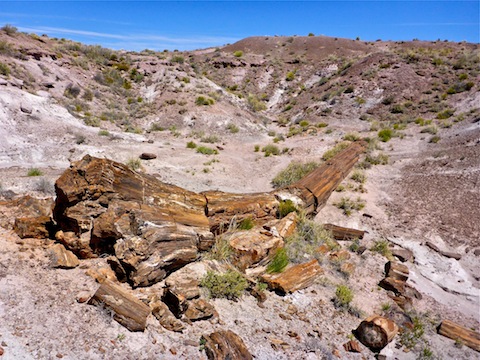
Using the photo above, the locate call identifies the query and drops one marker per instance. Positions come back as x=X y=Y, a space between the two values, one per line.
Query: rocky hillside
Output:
x=179 y=226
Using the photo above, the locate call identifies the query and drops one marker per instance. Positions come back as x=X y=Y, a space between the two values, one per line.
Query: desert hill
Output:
x=231 y=119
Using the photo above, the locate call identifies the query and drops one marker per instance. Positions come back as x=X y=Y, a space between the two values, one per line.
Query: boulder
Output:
x=294 y=278
x=63 y=258
x=225 y=344
x=127 y=309
x=396 y=271
x=376 y=332
x=152 y=228
x=148 y=156
x=38 y=227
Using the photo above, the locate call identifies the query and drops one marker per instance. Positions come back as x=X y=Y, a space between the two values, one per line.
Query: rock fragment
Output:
x=376 y=332
x=225 y=344
x=63 y=258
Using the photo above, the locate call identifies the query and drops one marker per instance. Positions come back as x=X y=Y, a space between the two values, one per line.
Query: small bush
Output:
x=210 y=139
x=285 y=208
x=359 y=177
x=351 y=137
x=350 y=89
x=238 y=53
x=246 y=224
x=332 y=152
x=191 y=145
x=382 y=247
x=103 y=133
x=270 y=150
x=206 y=150
x=343 y=297
x=221 y=250
x=34 y=172
x=72 y=91
x=9 y=29
x=256 y=148
x=434 y=139
x=380 y=159
x=4 y=69
x=290 y=76
x=201 y=100
x=411 y=337
x=156 y=127
x=432 y=129
x=177 y=59
x=233 y=128
x=279 y=261
x=385 y=134
x=293 y=172
x=397 y=109
x=304 y=123
x=348 y=205
x=230 y=284
x=134 y=164
x=445 y=114
x=255 y=104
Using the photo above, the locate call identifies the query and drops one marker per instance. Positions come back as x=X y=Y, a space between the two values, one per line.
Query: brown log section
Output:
x=459 y=333
x=127 y=309
x=376 y=332
x=316 y=187
x=343 y=233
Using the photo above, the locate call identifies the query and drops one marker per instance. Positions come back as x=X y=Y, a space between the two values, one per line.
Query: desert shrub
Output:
x=432 y=129
x=238 y=53
x=332 y=152
x=434 y=139
x=230 y=284
x=256 y=148
x=445 y=114
x=380 y=159
x=255 y=104
x=397 y=109
x=156 y=127
x=279 y=261
x=191 y=145
x=34 y=172
x=410 y=337
x=103 y=132
x=290 y=76
x=348 y=205
x=80 y=139
x=177 y=59
x=134 y=163
x=350 y=89
x=246 y=224
x=221 y=250
x=285 y=207
x=293 y=172
x=306 y=239
x=72 y=91
x=206 y=150
x=385 y=134
x=9 y=29
x=4 y=69
x=210 y=139
x=233 y=128
x=388 y=100
x=382 y=247
x=359 y=177
x=304 y=123
x=343 y=296
x=270 y=150
x=202 y=100
x=351 y=137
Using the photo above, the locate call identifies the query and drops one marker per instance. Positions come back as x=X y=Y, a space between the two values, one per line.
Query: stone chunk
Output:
x=63 y=258
x=165 y=317
x=294 y=278
x=33 y=227
x=148 y=156
x=396 y=271
x=376 y=332
x=127 y=309
x=459 y=333
x=25 y=108
x=352 y=346
x=403 y=255
x=225 y=344
x=343 y=233
x=199 y=309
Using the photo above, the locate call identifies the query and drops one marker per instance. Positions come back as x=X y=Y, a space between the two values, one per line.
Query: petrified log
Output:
x=294 y=278
x=343 y=233
x=352 y=346
x=199 y=309
x=315 y=188
x=127 y=309
x=396 y=271
x=165 y=316
x=33 y=227
x=391 y=284
x=225 y=344
x=459 y=333
x=403 y=255
x=376 y=332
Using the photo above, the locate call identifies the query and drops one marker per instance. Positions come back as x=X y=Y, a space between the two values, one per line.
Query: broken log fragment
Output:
x=376 y=332
x=459 y=333
x=225 y=344
x=127 y=309
x=343 y=233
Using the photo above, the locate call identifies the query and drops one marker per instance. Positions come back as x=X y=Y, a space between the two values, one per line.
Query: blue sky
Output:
x=187 y=25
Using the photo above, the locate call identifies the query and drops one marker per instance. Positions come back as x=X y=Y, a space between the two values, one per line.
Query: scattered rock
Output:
x=165 y=317
x=33 y=227
x=83 y=297
x=148 y=156
x=391 y=284
x=343 y=233
x=225 y=344
x=376 y=332
x=199 y=309
x=63 y=258
x=396 y=270
x=451 y=255
x=403 y=255
x=476 y=252
x=25 y=108
x=340 y=255
x=352 y=346
x=294 y=278
x=126 y=308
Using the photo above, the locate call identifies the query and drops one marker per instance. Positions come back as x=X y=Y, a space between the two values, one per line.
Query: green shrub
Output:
x=34 y=172
x=434 y=139
x=103 y=132
x=382 y=247
x=238 y=53
x=206 y=150
x=4 y=69
x=385 y=134
x=230 y=284
x=332 y=152
x=71 y=91
x=191 y=145
x=304 y=123
x=380 y=159
x=256 y=148
x=246 y=224
x=134 y=163
x=445 y=114
x=432 y=129
x=293 y=172
x=348 y=205
x=221 y=250
x=156 y=127
x=279 y=261
x=201 y=100
x=351 y=137
x=210 y=139
x=359 y=177
x=397 y=109
x=290 y=76
x=233 y=128
x=285 y=207
x=343 y=297
x=9 y=29
x=255 y=104
x=270 y=150
x=410 y=337
x=177 y=59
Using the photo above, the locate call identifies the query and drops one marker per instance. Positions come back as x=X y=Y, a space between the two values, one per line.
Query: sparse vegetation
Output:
x=293 y=172
x=343 y=297
x=348 y=205
x=238 y=53
x=332 y=152
x=134 y=164
x=270 y=150
x=34 y=172
x=279 y=261
x=382 y=247
x=230 y=284
x=202 y=100
x=205 y=150
x=385 y=134
x=255 y=104
x=359 y=177
x=434 y=139
x=4 y=69
x=9 y=29
x=103 y=132
x=246 y=224
x=233 y=128
x=286 y=207
x=191 y=145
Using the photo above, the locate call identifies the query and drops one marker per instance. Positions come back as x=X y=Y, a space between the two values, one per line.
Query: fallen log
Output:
x=343 y=233
x=459 y=333
x=376 y=332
